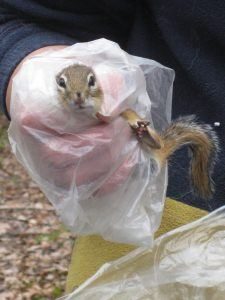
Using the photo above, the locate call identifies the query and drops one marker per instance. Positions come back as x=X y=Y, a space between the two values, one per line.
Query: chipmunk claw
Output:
x=140 y=129
x=146 y=135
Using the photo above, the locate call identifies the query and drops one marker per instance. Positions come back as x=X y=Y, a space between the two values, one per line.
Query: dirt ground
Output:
x=35 y=248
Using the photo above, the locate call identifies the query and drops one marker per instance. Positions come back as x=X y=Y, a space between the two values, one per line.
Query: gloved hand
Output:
x=94 y=156
x=67 y=159
x=92 y=170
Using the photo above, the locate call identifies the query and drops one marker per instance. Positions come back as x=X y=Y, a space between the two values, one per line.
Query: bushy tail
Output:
x=204 y=146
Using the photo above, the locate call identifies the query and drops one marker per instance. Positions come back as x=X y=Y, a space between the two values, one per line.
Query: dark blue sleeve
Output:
x=18 y=38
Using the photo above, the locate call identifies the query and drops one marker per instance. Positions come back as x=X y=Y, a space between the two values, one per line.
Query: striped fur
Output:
x=204 y=145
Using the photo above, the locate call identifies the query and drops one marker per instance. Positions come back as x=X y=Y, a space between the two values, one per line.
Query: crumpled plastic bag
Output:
x=96 y=175
x=186 y=263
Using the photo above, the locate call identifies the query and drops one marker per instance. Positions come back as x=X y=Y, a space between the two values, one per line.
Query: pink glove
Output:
x=63 y=155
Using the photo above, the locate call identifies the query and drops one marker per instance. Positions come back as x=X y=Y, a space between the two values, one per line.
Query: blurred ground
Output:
x=35 y=249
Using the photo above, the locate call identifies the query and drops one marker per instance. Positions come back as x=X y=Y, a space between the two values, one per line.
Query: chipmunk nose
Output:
x=78 y=99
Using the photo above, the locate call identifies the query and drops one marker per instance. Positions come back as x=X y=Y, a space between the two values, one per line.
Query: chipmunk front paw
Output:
x=146 y=135
x=140 y=129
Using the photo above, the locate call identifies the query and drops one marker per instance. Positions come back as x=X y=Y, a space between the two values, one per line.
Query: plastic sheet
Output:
x=186 y=263
x=95 y=174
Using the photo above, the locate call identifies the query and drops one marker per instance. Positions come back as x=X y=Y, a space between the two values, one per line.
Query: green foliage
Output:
x=52 y=236
x=38 y=298
x=3 y=138
x=57 y=292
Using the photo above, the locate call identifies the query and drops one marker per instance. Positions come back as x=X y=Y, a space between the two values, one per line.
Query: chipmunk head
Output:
x=77 y=85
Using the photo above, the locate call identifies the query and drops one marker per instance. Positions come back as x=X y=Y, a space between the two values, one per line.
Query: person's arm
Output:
x=18 y=39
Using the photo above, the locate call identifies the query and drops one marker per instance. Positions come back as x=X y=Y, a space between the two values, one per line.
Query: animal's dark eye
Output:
x=61 y=82
x=91 y=81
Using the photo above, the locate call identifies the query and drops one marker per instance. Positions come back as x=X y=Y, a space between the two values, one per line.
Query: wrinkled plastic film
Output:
x=186 y=263
x=96 y=175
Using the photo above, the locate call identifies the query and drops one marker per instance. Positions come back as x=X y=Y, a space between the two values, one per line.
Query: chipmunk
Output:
x=77 y=85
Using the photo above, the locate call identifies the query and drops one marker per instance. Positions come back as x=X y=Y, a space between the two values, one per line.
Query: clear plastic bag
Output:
x=95 y=174
x=186 y=263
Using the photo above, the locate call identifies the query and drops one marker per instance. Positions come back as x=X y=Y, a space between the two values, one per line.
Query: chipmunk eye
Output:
x=61 y=82
x=91 y=81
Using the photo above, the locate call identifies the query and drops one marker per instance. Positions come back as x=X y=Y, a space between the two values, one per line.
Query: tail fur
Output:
x=204 y=145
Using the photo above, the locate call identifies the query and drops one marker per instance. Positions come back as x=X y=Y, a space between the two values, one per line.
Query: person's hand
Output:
x=80 y=159
x=97 y=157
